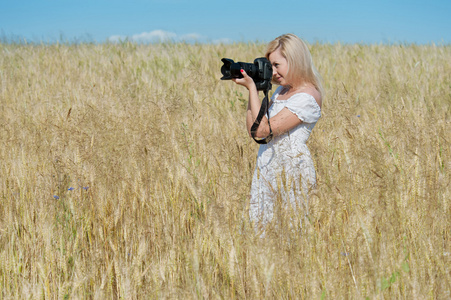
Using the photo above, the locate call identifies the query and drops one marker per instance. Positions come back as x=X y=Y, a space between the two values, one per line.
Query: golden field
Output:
x=125 y=173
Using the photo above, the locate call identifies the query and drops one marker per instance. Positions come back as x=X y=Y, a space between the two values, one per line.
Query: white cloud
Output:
x=154 y=36
x=157 y=36
x=116 y=38
x=194 y=37
x=223 y=41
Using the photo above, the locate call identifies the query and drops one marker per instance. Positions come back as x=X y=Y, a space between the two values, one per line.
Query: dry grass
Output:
x=125 y=172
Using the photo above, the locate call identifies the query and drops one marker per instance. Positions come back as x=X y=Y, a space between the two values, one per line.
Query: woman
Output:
x=284 y=167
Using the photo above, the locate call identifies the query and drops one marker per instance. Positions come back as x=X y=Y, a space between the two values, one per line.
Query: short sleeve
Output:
x=305 y=107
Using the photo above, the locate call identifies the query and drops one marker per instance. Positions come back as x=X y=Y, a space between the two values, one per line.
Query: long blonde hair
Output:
x=300 y=63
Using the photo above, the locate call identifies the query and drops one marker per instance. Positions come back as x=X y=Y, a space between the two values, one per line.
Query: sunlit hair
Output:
x=300 y=63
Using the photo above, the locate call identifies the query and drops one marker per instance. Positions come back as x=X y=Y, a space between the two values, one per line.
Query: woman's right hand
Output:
x=246 y=81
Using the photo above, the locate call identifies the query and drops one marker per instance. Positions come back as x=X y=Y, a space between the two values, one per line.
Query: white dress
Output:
x=284 y=167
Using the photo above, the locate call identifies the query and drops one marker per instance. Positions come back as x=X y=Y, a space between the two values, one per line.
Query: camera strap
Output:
x=263 y=110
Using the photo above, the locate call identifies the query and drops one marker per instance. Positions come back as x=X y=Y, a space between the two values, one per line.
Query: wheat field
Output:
x=125 y=174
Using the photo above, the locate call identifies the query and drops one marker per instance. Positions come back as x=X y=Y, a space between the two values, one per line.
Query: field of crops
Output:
x=125 y=173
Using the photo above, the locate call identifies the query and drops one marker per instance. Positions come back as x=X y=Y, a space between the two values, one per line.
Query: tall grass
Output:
x=125 y=173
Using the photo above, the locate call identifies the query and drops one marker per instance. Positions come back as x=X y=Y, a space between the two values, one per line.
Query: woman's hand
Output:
x=246 y=81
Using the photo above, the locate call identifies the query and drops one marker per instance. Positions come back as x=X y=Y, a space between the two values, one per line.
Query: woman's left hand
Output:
x=246 y=81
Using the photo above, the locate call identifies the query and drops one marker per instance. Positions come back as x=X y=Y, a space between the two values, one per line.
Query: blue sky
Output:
x=211 y=21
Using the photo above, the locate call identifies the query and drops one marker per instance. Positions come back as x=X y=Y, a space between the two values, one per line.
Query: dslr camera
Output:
x=260 y=71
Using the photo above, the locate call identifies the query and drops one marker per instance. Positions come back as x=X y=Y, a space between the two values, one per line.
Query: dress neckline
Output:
x=275 y=100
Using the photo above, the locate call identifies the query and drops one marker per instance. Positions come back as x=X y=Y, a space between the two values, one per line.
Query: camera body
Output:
x=260 y=71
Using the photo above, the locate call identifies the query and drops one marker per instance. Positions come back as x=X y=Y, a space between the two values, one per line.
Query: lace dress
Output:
x=284 y=167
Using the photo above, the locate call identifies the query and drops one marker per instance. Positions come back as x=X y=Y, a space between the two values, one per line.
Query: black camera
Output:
x=260 y=71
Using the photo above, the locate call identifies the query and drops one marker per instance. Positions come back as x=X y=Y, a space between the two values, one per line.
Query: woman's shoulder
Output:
x=312 y=92
x=305 y=106
x=309 y=91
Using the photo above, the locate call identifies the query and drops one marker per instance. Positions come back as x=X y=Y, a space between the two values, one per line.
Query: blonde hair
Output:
x=300 y=63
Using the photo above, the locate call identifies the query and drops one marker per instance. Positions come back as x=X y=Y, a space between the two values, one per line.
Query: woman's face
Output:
x=279 y=67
